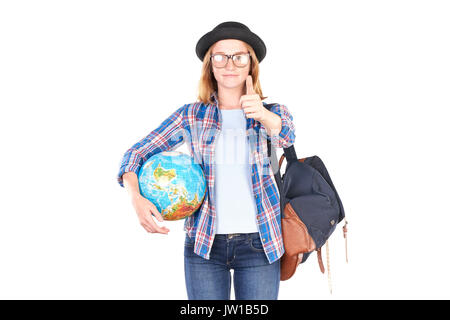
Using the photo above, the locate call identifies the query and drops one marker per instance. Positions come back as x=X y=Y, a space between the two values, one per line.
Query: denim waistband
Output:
x=237 y=236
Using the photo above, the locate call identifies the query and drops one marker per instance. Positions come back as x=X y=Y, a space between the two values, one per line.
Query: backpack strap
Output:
x=290 y=155
x=319 y=259
x=328 y=267
x=344 y=228
x=275 y=168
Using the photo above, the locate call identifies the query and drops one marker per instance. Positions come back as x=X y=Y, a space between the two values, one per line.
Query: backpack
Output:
x=310 y=208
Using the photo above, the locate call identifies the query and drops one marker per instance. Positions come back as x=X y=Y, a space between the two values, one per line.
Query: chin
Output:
x=231 y=83
x=228 y=86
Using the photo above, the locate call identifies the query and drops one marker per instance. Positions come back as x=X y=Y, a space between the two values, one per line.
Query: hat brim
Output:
x=213 y=36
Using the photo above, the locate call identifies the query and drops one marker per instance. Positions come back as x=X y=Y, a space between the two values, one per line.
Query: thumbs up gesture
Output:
x=251 y=102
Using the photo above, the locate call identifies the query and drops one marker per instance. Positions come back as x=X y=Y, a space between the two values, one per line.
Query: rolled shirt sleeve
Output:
x=169 y=135
x=286 y=137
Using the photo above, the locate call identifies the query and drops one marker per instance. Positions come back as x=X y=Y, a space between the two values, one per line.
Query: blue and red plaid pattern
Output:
x=198 y=124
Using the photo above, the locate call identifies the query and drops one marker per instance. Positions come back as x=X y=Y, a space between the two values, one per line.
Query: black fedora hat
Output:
x=231 y=30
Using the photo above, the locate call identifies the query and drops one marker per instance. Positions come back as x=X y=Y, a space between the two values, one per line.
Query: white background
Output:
x=367 y=83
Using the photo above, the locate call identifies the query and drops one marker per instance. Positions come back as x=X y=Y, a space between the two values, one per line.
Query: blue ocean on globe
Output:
x=174 y=183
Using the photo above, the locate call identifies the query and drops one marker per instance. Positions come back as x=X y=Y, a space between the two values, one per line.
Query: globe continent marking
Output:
x=174 y=183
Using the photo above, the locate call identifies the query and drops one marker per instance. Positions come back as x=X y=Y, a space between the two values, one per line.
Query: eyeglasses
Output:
x=240 y=60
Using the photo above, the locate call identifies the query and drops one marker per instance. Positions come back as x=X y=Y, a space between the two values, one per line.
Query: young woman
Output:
x=238 y=226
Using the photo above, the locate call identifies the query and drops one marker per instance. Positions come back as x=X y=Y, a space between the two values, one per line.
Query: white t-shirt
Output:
x=235 y=204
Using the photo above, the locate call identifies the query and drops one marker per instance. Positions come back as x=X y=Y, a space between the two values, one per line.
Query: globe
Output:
x=174 y=183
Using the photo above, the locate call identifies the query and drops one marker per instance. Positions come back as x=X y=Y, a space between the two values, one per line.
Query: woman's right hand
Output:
x=145 y=210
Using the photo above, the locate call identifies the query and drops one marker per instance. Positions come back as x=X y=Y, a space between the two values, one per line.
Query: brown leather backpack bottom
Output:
x=296 y=242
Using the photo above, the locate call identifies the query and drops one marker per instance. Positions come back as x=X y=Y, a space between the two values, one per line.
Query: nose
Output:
x=229 y=65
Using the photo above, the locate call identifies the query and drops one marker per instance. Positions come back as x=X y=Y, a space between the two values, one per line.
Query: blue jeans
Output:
x=254 y=277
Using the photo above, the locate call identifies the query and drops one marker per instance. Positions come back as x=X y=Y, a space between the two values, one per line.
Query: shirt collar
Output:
x=214 y=97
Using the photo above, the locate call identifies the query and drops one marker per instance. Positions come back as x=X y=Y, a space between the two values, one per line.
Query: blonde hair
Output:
x=208 y=84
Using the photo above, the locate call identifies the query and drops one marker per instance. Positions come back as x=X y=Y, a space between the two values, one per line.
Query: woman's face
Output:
x=230 y=76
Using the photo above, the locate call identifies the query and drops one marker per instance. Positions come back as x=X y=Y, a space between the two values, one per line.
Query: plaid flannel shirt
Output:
x=198 y=124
